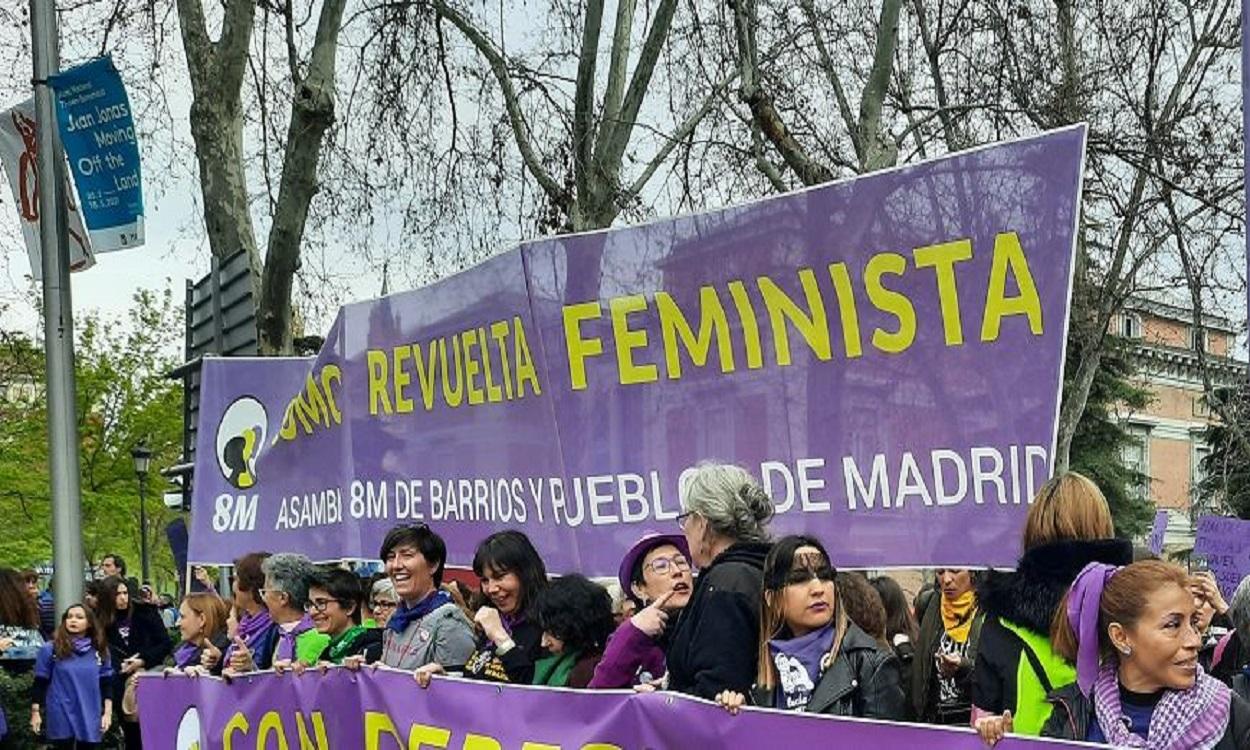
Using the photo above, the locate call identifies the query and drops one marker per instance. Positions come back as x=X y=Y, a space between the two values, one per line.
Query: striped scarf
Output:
x=1193 y=719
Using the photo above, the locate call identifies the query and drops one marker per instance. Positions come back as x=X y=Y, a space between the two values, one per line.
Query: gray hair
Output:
x=1239 y=609
x=733 y=503
x=290 y=574
x=381 y=587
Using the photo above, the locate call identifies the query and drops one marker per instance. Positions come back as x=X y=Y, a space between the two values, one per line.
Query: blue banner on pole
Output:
x=98 y=132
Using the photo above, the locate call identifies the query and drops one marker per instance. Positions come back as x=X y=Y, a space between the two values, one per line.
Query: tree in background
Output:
x=1225 y=486
x=123 y=398
x=1100 y=438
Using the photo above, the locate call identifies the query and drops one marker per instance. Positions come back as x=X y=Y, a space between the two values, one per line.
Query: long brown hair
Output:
x=106 y=600
x=1124 y=600
x=777 y=566
x=63 y=641
x=17 y=608
x=1069 y=507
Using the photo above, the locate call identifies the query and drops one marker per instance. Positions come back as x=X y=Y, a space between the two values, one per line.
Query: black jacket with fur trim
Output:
x=1028 y=597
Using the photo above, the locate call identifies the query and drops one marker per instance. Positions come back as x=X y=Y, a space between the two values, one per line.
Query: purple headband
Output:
x=1083 y=604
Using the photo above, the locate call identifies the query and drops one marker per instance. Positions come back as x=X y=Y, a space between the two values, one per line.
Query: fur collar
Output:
x=1030 y=595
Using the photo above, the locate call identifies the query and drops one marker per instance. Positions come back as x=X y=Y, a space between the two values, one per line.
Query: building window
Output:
x=1198 y=339
x=1200 y=452
x=1130 y=326
x=1136 y=457
x=1201 y=407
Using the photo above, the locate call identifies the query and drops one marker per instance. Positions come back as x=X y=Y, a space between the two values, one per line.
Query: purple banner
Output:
x=885 y=353
x=1224 y=545
x=1157 y=532
x=385 y=710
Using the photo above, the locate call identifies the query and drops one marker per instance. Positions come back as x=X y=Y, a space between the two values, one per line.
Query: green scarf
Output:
x=340 y=644
x=553 y=671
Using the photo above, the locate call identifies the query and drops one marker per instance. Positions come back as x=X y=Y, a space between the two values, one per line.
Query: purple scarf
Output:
x=1193 y=719
x=405 y=615
x=83 y=645
x=251 y=629
x=285 y=650
x=798 y=666
x=188 y=654
x=1084 y=601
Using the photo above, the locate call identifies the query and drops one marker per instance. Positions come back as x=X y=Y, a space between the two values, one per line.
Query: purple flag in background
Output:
x=1157 y=532
x=884 y=352
x=1224 y=543
x=385 y=710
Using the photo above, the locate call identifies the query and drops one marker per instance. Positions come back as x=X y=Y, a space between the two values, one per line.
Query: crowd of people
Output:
x=1081 y=641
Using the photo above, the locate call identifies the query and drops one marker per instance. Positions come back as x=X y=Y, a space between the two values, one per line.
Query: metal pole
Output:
x=143 y=526
x=58 y=319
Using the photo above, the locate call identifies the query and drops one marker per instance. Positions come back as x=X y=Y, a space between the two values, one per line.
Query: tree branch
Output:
x=499 y=67
x=682 y=133
x=584 y=100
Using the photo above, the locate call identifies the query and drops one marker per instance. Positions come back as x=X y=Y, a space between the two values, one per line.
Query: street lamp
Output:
x=142 y=456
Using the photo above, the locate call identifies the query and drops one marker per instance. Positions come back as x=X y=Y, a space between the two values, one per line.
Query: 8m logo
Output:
x=239 y=441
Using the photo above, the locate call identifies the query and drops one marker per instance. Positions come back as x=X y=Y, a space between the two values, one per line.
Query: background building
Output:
x=1165 y=347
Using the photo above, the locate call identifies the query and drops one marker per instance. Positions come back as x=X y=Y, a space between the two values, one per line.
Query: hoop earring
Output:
x=1127 y=651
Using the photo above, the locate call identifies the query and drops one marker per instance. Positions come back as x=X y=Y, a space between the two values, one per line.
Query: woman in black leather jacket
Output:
x=811 y=656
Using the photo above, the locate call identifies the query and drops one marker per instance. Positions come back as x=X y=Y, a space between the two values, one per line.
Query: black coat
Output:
x=924 y=685
x=368 y=644
x=148 y=639
x=862 y=681
x=715 y=641
x=1074 y=711
x=1028 y=597
x=516 y=666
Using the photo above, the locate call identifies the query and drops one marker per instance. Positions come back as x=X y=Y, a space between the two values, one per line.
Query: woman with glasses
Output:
x=810 y=656
x=287 y=577
x=724 y=518
x=382 y=602
x=426 y=626
x=334 y=602
x=655 y=574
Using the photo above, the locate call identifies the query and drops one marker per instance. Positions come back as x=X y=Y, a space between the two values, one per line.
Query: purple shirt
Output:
x=631 y=657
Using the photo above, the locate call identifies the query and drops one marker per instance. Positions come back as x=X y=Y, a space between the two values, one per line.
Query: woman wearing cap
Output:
x=811 y=657
x=655 y=574
x=1133 y=635
x=724 y=516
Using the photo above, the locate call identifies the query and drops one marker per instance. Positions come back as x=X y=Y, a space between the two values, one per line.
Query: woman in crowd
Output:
x=334 y=603
x=427 y=627
x=863 y=605
x=1231 y=660
x=73 y=700
x=655 y=574
x=811 y=657
x=382 y=602
x=251 y=644
x=137 y=641
x=900 y=629
x=1133 y=634
x=724 y=516
x=946 y=651
x=513 y=575
x=1067 y=527
x=1213 y=618
x=575 y=615
x=19 y=624
x=287 y=579
x=202 y=625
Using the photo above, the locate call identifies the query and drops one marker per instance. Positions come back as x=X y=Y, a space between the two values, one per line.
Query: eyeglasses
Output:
x=384 y=604
x=661 y=565
x=681 y=519
x=799 y=576
x=319 y=604
x=266 y=592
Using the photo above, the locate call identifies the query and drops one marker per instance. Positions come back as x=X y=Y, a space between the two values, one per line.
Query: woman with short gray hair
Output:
x=287 y=578
x=725 y=515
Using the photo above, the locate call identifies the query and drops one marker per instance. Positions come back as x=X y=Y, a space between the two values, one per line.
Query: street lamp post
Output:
x=142 y=456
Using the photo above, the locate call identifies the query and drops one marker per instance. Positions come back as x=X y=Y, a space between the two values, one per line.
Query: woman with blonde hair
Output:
x=202 y=624
x=1068 y=526
x=811 y=656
